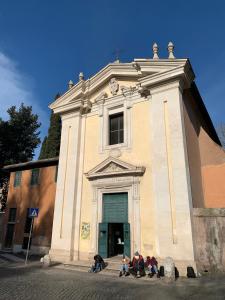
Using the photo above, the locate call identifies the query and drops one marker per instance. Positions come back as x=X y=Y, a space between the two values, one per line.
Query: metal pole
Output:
x=28 y=246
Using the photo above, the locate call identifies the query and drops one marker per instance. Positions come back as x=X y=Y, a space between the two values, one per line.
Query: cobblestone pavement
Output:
x=35 y=282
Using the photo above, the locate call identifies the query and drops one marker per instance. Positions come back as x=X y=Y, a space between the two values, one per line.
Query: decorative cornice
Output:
x=146 y=71
x=182 y=72
x=112 y=167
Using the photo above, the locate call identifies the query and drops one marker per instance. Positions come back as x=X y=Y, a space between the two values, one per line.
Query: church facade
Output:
x=131 y=162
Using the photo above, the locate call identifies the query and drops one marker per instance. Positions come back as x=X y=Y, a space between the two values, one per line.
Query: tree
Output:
x=51 y=143
x=19 y=137
x=43 y=148
x=221 y=133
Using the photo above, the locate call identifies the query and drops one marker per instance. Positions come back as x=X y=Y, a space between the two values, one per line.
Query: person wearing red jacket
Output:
x=152 y=265
x=137 y=266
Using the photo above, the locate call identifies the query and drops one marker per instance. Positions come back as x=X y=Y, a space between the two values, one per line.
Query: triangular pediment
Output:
x=114 y=167
x=132 y=74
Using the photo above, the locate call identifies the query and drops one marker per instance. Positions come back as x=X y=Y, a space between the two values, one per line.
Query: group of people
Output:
x=137 y=266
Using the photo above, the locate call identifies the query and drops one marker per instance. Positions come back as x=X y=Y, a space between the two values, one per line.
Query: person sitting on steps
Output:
x=98 y=265
x=124 y=268
x=137 y=266
x=152 y=265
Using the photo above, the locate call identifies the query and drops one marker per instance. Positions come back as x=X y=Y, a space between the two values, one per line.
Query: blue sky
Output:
x=44 y=44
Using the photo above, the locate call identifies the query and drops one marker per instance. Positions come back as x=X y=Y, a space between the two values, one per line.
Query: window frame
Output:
x=104 y=113
x=17 y=181
x=36 y=182
x=119 y=130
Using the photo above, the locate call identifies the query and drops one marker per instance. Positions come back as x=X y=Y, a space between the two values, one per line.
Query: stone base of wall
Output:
x=60 y=255
x=209 y=235
x=33 y=250
x=17 y=248
x=39 y=250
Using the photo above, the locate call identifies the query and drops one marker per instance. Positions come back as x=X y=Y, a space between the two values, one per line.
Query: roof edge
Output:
x=212 y=131
x=31 y=164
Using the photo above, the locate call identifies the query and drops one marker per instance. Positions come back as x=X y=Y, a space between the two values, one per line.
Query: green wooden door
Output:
x=126 y=234
x=103 y=240
x=115 y=208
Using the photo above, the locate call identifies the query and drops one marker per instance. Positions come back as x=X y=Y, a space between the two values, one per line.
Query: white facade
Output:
x=154 y=173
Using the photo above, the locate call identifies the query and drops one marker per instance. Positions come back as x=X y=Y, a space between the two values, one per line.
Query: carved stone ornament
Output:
x=101 y=96
x=114 y=86
x=143 y=91
x=128 y=91
x=115 y=153
x=112 y=167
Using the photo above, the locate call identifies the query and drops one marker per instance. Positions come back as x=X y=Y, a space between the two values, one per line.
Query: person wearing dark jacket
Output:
x=137 y=266
x=98 y=265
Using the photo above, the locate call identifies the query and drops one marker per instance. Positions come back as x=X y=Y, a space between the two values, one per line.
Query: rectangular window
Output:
x=34 y=177
x=17 y=178
x=12 y=215
x=116 y=129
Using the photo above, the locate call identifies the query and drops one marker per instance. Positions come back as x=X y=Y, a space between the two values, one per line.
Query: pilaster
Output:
x=170 y=174
x=62 y=247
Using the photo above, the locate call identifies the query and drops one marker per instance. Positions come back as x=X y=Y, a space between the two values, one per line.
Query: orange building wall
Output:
x=206 y=158
x=214 y=185
x=26 y=196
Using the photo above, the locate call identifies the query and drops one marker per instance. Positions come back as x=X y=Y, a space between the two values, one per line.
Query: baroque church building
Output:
x=136 y=144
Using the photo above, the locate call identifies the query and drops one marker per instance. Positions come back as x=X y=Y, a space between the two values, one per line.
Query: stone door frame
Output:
x=126 y=184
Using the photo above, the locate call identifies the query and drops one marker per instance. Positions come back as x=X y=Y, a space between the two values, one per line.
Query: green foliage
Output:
x=221 y=133
x=19 y=136
x=43 y=148
x=51 y=143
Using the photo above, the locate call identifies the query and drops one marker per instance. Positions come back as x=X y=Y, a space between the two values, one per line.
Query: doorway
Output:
x=114 y=231
x=10 y=229
x=115 y=239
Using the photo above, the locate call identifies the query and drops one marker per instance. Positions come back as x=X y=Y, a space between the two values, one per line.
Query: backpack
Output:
x=190 y=272
x=176 y=273
x=161 y=271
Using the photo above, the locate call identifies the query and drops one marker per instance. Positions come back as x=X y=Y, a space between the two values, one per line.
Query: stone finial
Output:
x=70 y=84
x=170 y=48
x=81 y=76
x=155 y=51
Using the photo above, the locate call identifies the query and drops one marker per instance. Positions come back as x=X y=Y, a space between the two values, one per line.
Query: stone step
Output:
x=85 y=268
x=111 y=265
x=105 y=272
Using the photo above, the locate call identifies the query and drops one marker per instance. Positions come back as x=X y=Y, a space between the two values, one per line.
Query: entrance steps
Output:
x=112 y=268
x=112 y=265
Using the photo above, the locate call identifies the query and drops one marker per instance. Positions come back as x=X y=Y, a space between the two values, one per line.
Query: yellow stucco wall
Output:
x=139 y=155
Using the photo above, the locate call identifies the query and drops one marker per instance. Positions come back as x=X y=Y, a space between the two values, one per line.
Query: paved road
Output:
x=34 y=282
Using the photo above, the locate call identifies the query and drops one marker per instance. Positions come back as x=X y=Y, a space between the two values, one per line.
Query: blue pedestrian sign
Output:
x=33 y=212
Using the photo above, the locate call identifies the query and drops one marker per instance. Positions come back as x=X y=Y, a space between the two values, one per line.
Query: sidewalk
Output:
x=17 y=260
